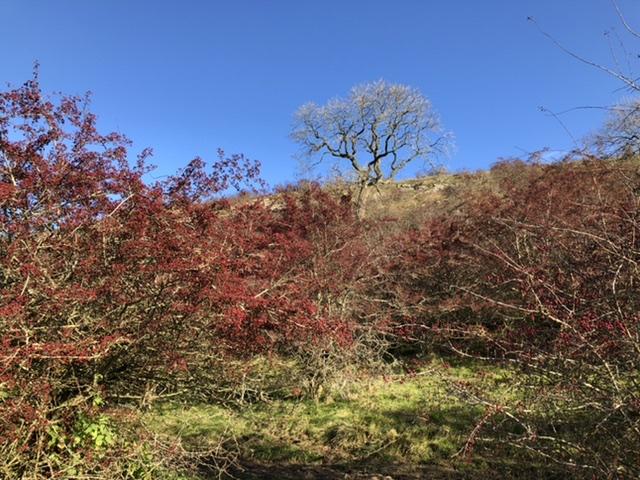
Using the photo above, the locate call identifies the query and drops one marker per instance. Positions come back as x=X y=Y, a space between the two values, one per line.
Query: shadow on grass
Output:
x=276 y=459
x=371 y=470
x=412 y=428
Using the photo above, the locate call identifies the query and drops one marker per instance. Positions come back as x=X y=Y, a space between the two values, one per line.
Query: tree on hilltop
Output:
x=378 y=129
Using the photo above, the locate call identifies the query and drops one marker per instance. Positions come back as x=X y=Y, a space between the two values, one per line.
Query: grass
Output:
x=404 y=419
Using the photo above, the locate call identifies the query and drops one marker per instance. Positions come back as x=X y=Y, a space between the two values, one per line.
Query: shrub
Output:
x=542 y=273
x=111 y=288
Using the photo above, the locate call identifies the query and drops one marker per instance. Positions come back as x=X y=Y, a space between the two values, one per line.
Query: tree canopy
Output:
x=378 y=129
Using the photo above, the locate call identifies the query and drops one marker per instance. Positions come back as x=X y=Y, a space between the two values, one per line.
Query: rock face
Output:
x=411 y=200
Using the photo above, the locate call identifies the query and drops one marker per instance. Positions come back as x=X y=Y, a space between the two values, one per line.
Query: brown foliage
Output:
x=541 y=273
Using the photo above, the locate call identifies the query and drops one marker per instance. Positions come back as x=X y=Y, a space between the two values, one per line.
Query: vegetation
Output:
x=166 y=331
x=399 y=420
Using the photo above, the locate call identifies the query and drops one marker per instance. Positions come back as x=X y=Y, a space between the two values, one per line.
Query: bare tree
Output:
x=620 y=134
x=622 y=69
x=378 y=129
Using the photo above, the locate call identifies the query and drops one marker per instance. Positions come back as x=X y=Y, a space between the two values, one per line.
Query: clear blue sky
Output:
x=186 y=77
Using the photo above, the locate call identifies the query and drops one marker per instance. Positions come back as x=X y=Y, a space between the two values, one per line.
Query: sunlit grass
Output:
x=398 y=418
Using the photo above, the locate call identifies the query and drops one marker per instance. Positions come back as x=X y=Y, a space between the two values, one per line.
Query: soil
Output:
x=255 y=471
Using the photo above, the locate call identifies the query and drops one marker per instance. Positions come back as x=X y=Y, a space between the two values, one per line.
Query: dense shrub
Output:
x=113 y=288
x=542 y=273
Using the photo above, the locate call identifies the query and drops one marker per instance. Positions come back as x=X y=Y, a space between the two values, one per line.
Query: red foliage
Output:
x=107 y=282
x=541 y=270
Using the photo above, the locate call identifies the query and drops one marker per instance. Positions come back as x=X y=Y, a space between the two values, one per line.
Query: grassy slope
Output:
x=398 y=424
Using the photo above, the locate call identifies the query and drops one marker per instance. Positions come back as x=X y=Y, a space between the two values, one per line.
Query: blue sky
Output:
x=186 y=77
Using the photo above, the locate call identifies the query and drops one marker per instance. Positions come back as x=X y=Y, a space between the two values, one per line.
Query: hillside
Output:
x=457 y=326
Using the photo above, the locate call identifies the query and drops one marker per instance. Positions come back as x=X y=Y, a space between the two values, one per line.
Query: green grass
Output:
x=399 y=418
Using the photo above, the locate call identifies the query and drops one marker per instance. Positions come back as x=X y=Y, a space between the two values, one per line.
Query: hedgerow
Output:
x=112 y=288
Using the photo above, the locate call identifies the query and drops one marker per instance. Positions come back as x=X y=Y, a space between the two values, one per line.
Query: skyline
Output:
x=185 y=80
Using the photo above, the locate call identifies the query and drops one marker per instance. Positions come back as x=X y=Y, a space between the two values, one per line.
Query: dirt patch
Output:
x=255 y=471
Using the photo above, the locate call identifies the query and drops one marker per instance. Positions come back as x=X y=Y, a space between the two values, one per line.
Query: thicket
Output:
x=540 y=273
x=113 y=288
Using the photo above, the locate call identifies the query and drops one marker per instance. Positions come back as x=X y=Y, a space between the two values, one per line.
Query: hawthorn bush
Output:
x=111 y=288
x=541 y=273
